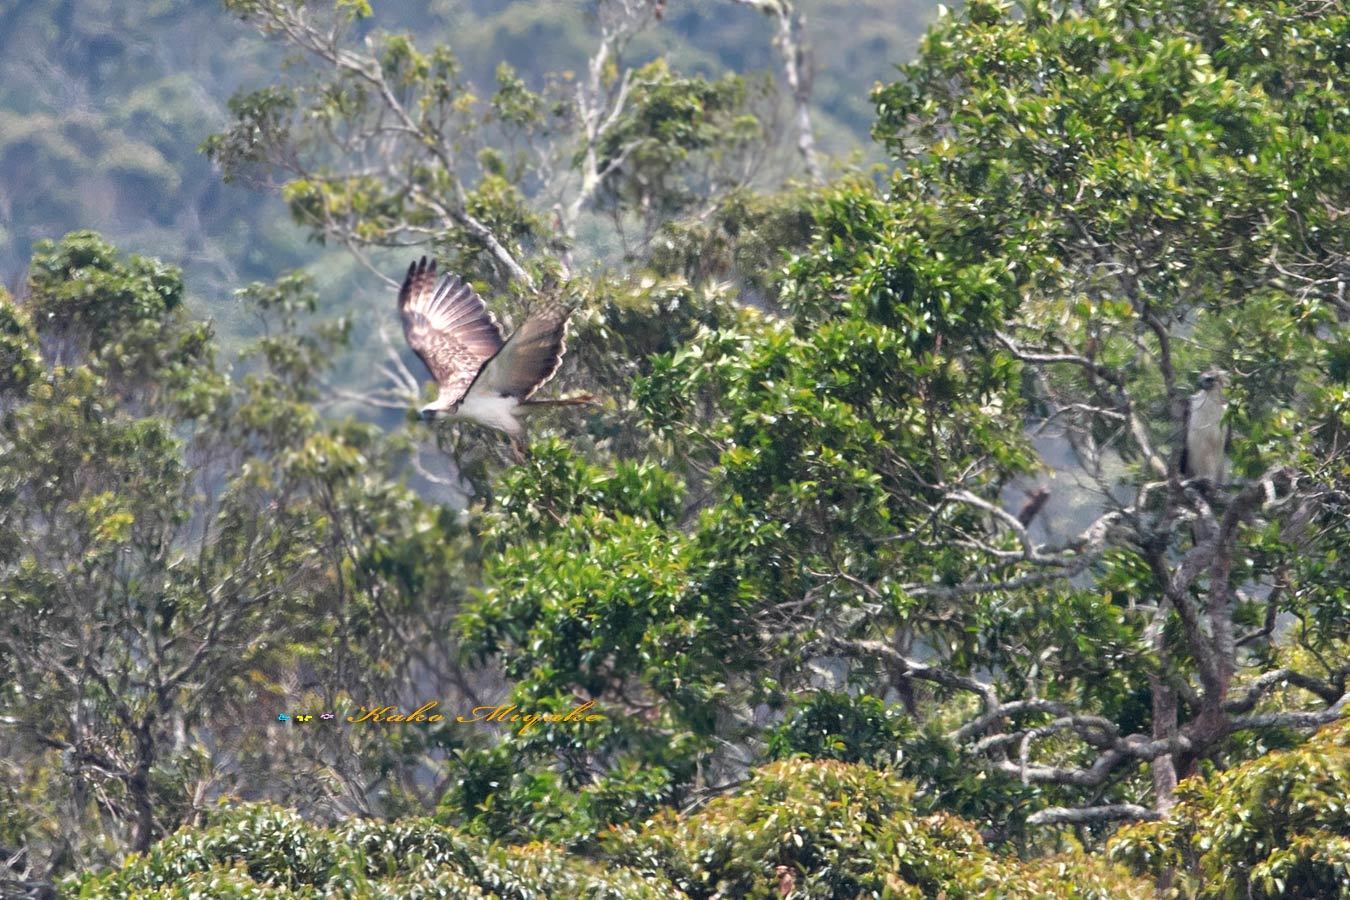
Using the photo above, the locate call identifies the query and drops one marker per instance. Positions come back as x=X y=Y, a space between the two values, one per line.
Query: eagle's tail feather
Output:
x=578 y=400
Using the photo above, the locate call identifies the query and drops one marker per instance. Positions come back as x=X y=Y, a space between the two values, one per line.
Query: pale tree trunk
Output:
x=797 y=73
x=1164 y=767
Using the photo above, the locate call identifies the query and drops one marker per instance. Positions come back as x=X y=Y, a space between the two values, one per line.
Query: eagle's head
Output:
x=429 y=412
x=1212 y=379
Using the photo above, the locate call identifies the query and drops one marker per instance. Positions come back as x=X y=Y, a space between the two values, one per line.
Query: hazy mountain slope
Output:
x=103 y=104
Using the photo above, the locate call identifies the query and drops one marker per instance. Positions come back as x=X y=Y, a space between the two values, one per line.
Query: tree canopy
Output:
x=878 y=561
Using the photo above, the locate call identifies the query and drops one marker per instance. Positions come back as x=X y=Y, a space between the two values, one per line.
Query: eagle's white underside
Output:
x=494 y=411
x=1205 y=436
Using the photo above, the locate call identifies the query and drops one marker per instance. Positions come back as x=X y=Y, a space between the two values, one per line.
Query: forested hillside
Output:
x=104 y=103
x=952 y=500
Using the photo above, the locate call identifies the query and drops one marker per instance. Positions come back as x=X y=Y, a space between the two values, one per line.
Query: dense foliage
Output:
x=1053 y=255
x=819 y=829
x=1272 y=827
x=175 y=538
x=878 y=561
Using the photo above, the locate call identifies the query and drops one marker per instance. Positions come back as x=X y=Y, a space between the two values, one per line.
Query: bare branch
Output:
x=797 y=73
x=1315 y=719
x=1042 y=357
x=1277 y=678
x=909 y=668
x=1115 y=812
x=1059 y=562
x=1132 y=748
x=990 y=717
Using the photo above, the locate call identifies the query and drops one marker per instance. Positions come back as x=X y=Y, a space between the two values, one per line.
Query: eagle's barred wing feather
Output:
x=448 y=327
x=529 y=358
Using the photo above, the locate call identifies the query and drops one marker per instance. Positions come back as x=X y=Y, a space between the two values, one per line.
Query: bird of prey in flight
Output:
x=1207 y=434
x=481 y=378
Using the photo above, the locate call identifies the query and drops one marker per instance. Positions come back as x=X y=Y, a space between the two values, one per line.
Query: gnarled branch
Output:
x=1088 y=815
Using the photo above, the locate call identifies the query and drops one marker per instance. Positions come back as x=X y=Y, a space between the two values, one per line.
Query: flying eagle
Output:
x=481 y=378
x=1207 y=434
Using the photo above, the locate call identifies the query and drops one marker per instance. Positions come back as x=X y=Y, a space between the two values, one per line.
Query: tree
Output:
x=1158 y=184
x=804 y=829
x=1271 y=827
x=386 y=144
x=389 y=146
x=174 y=543
x=242 y=551
x=785 y=564
x=1094 y=203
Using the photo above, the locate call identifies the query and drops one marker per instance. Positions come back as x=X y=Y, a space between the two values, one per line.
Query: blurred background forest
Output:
x=105 y=105
x=964 y=510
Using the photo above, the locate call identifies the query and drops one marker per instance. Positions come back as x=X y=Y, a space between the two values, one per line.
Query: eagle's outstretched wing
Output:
x=448 y=327
x=529 y=358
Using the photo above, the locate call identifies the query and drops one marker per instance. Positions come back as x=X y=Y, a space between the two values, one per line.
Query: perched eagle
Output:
x=1207 y=434
x=481 y=378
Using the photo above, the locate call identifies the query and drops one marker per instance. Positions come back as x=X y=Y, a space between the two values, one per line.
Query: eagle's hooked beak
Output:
x=431 y=412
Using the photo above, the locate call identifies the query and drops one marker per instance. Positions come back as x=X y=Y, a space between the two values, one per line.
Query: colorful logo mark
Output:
x=302 y=718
